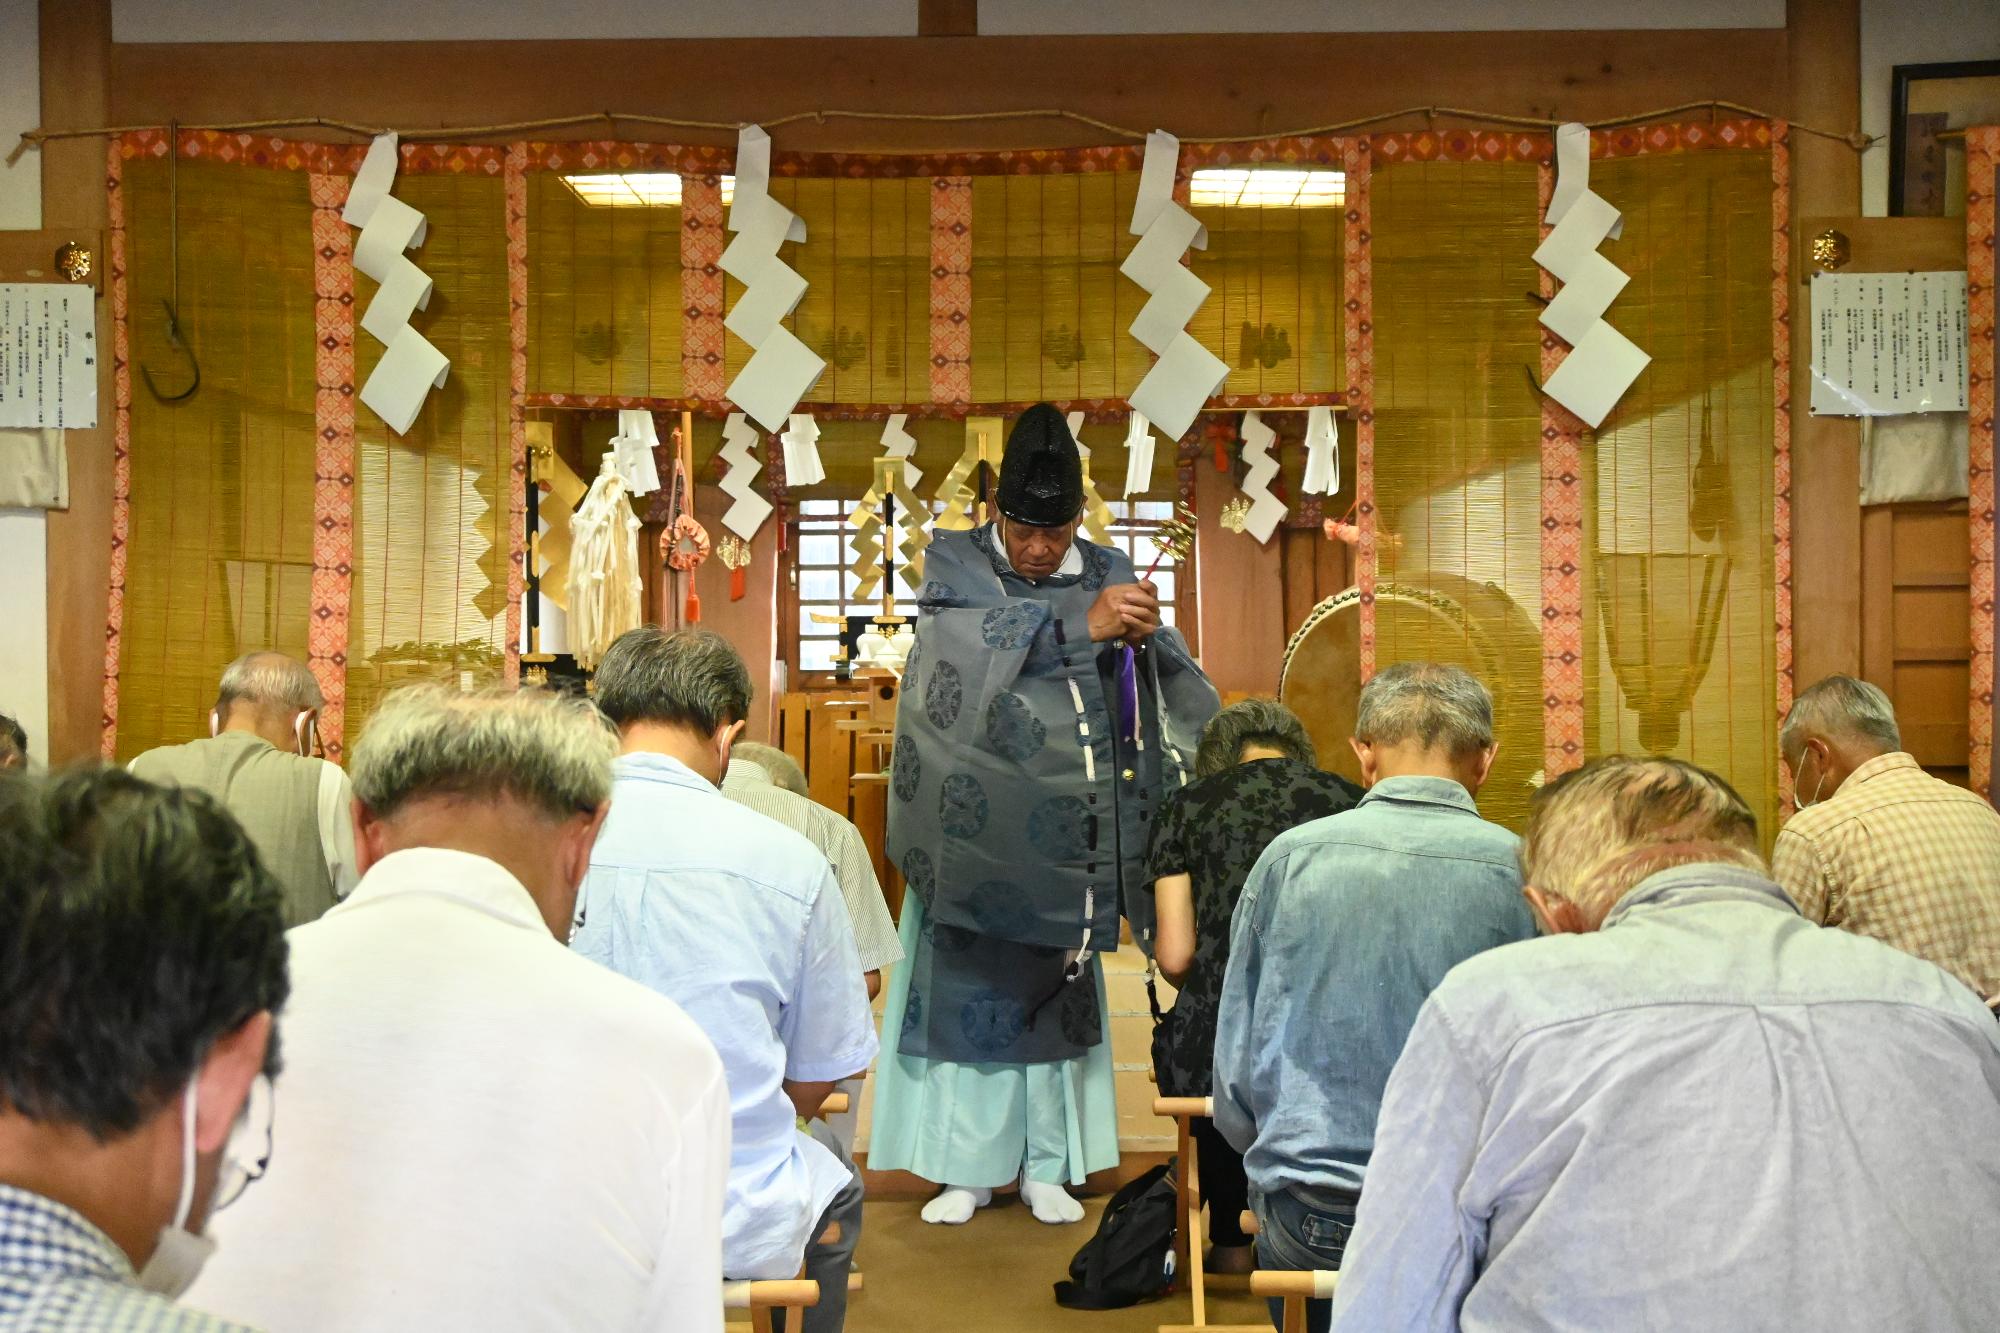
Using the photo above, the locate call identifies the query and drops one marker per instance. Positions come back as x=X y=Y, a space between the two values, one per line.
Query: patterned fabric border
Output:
x=1982 y=157
x=702 y=336
x=121 y=442
x=613 y=155
x=1562 y=550
x=1781 y=430
x=516 y=185
x=1359 y=292
x=333 y=455
x=951 y=290
x=1460 y=146
x=259 y=150
x=1096 y=409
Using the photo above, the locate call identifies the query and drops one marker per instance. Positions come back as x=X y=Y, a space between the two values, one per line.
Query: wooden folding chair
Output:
x=1295 y=1288
x=760 y=1298
x=1189 y=1257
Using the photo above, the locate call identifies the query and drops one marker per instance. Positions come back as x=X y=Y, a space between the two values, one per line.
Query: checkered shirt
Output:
x=60 y=1274
x=1906 y=858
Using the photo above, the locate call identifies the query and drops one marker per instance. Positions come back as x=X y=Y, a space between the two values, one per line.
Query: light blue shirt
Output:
x=739 y=921
x=1345 y=926
x=1710 y=1114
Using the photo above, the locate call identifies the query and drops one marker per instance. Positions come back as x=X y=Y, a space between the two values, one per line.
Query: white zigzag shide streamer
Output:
x=410 y=366
x=750 y=509
x=1186 y=373
x=1602 y=362
x=1266 y=509
x=781 y=369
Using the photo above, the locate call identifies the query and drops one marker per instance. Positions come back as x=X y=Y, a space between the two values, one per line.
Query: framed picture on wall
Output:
x=1926 y=169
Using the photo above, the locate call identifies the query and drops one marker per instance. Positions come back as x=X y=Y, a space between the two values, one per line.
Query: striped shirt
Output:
x=1901 y=856
x=60 y=1274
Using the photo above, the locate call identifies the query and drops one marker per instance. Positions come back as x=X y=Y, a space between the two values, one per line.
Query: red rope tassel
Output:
x=739 y=584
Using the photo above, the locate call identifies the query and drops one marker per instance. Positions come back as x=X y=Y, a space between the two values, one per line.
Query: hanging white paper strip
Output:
x=1138 y=455
x=899 y=443
x=1322 y=453
x=1602 y=362
x=1186 y=373
x=1266 y=509
x=633 y=448
x=801 y=440
x=781 y=369
x=749 y=509
x=410 y=366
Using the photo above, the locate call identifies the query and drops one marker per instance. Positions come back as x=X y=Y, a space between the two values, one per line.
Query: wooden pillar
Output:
x=1823 y=44
x=76 y=55
x=1241 y=596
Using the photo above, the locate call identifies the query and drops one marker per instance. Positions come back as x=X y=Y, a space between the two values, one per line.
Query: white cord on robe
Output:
x=604 y=567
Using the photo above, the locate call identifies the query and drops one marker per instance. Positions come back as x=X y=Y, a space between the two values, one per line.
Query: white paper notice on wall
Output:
x=48 y=355
x=1889 y=343
x=409 y=369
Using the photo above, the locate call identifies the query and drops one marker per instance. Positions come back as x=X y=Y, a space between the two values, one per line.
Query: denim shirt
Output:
x=1709 y=1114
x=1345 y=927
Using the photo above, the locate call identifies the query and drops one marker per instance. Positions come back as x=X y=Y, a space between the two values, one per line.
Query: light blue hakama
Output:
x=978 y=1125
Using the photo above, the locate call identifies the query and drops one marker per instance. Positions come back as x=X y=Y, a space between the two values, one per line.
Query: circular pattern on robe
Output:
x=913 y=1014
x=999 y=910
x=1077 y=1010
x=943 y=695
x=919 y=873
x=905 y=770
x=992 y=1022
x=1096 y=568
x=962 y=806
x=1059 y=828
x=910 y=662
x=1012 y=728
x=1012 y=626
x=941 y=594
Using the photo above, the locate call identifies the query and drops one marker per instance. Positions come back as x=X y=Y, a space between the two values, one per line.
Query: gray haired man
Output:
x=1677 y=1110
x=1344 y=927
x=488 y=1131
x=257 y=760
x=1879 y=846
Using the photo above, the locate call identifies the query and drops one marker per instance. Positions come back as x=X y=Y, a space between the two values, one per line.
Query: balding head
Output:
x=1832 y=729
x=1599 y=830
x=270 y=694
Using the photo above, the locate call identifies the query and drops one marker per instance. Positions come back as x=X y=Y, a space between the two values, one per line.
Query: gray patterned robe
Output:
x=1019 y=811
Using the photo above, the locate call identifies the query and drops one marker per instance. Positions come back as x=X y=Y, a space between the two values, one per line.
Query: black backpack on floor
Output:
x=1131 y=1258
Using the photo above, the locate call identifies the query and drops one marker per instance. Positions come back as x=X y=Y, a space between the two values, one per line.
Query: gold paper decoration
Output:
x=869 y=564
x=1235 y=516
x=963 y=507
x=74 y=261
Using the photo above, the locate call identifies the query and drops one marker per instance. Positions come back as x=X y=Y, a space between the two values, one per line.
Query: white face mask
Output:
x=180 y=1253
x=1799 y=803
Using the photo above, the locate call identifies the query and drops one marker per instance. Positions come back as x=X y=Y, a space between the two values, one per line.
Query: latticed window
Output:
x=825 y=586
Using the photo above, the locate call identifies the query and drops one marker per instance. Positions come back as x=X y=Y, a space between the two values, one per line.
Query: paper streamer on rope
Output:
x=781 y=369
x=1186 y=373
x=893 y=474
x=1573 y=175
x=1096 y=520
x=1322 y=453
x=410 y=366
x=1602 y=362
x=801 y=441
x=1138 y=455
x=1266 y=509
x=747 y=510
x=633 y=449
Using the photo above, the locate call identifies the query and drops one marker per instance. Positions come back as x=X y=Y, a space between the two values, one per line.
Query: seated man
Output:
x=768 y=781
x=1343 y=929
x=741 y=923
x=480 y=1130
x=1690 y=1108
x=257 y=760
x=142 y=955
x=1879 y=846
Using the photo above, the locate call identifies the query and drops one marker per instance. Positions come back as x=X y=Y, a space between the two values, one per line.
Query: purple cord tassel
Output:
x=1128 y=693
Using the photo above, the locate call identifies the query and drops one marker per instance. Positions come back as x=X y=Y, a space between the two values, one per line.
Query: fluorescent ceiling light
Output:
x=638 y=189
x=1267 y=187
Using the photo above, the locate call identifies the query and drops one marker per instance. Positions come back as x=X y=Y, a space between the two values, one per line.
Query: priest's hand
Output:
x=1128 y=611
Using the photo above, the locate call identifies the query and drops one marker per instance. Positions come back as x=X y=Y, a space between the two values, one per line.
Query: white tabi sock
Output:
x=956 y=1205
x=1050 y=1203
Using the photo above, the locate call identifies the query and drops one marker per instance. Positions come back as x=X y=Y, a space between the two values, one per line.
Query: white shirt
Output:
x=476 y=1129
x=739 y=921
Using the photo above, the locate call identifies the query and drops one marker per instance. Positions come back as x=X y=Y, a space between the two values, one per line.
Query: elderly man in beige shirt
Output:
x=1881 y=848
